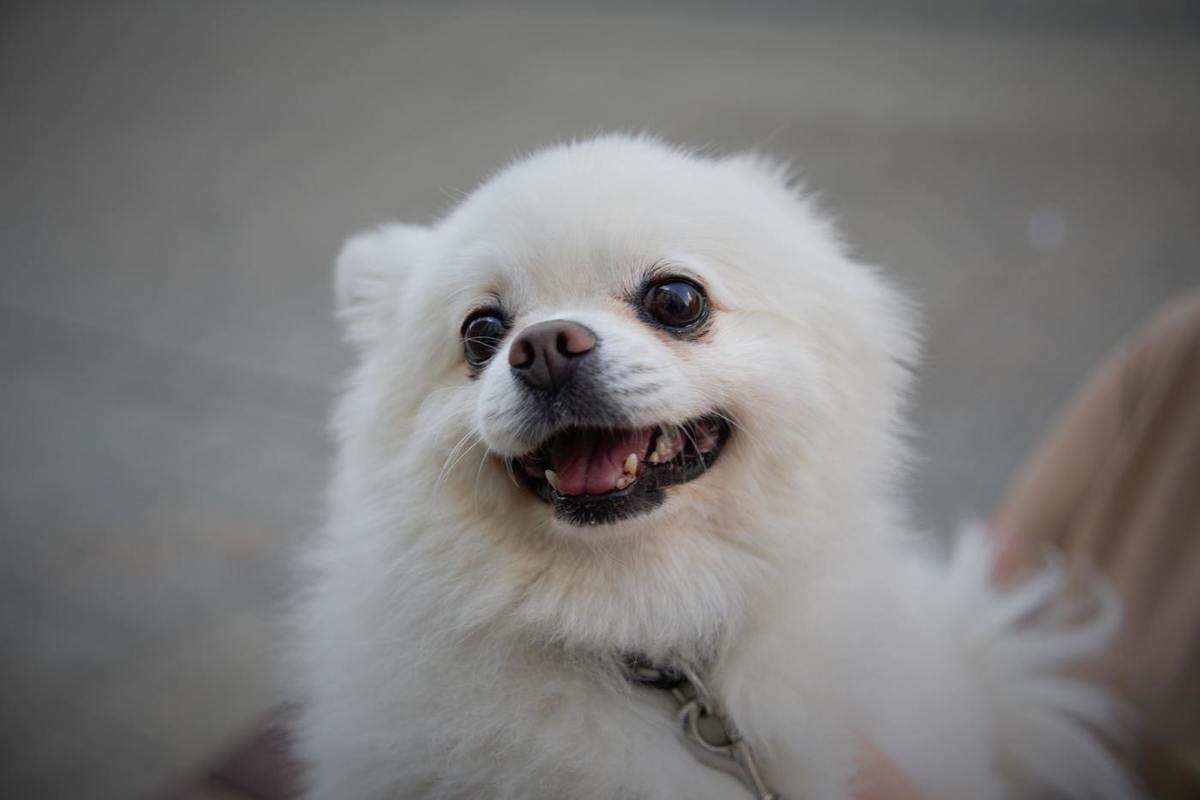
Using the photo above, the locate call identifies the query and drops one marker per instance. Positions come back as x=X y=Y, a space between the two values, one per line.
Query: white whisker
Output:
x=688 y=434
x=739 y=427
x=449 y=465
x=512 y=475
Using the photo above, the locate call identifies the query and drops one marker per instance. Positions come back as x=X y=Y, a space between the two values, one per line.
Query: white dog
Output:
x=619 y=460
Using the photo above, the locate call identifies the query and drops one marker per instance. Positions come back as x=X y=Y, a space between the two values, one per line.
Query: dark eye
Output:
x=482 y=334
x=675 y=303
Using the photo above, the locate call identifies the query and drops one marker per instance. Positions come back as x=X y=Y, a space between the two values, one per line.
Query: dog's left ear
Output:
x=370 y=274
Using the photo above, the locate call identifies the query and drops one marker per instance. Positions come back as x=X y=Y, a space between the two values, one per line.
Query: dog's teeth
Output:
x=654 y=458
x=667 y=445
x=622 y=482
x=552 y=479
x=631 y=464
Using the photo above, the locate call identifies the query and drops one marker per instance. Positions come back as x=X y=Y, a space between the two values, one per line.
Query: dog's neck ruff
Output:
x=704 y=728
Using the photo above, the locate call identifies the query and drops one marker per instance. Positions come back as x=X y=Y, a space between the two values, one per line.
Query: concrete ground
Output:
x=175 y=178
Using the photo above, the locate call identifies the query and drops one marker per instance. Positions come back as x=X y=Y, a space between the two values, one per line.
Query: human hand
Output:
x=879 y=778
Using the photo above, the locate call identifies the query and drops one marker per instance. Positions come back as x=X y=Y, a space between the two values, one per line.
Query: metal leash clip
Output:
x=712 y=738
x=704 y=728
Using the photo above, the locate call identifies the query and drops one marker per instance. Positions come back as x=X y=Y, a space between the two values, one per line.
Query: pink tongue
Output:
x=590 y=462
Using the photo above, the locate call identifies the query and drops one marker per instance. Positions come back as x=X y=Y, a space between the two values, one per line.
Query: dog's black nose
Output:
x=546 y=354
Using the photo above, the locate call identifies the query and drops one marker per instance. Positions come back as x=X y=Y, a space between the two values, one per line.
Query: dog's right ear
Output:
x=369 y=278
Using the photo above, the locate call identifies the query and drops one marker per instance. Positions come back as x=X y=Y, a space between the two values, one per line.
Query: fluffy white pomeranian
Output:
x=616 y=514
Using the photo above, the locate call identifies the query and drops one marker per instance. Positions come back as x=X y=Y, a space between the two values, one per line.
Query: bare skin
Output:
x=880 y=779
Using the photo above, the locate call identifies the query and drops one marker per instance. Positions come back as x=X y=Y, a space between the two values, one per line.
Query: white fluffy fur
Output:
x=459 y=642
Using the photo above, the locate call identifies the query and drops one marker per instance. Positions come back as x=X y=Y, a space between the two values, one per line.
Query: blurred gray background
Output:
x=175 y=178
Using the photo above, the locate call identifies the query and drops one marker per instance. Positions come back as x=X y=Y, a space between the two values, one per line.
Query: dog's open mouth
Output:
x=595 y=476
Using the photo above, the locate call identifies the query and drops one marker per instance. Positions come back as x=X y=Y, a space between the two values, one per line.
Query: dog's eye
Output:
x=482 y=333
x=675 y=303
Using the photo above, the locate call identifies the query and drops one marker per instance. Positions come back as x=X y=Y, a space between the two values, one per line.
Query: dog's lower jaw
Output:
x=591 y=512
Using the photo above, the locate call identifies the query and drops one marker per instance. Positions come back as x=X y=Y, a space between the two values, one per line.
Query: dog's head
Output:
x=615 y=340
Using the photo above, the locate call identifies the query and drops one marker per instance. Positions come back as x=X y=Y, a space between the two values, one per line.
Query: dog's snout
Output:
x=546 y=354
